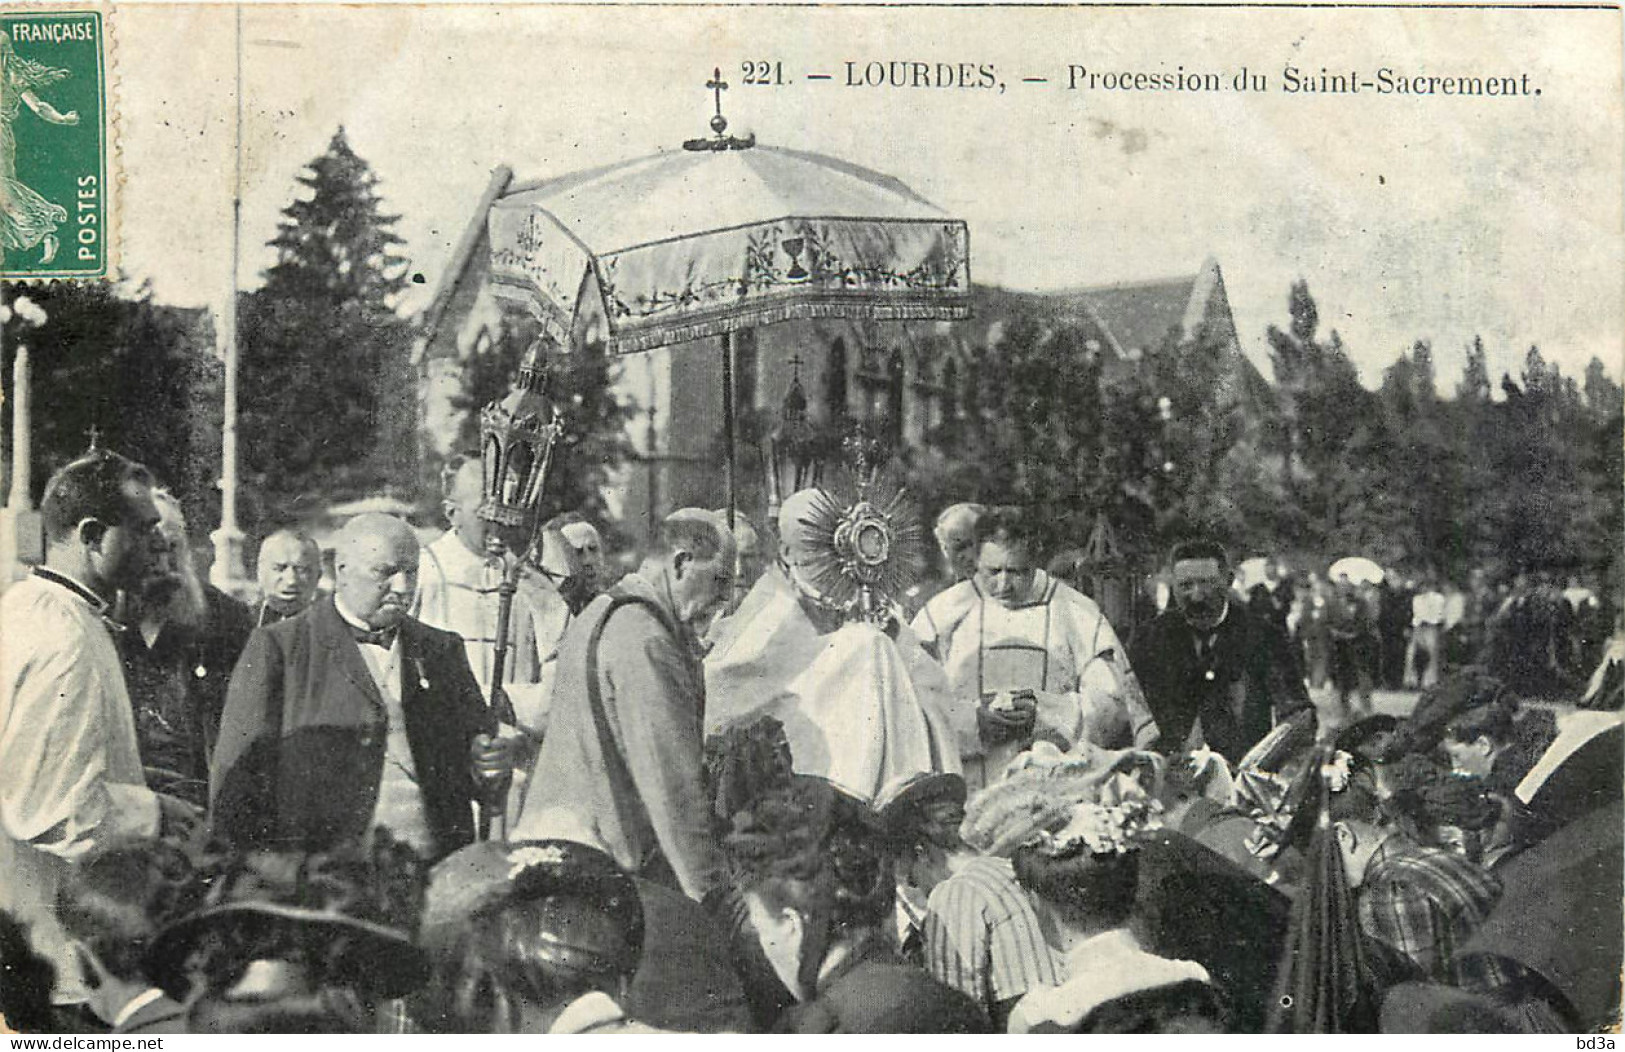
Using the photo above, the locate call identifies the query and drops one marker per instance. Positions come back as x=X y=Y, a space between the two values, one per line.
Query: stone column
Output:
x=21 y=540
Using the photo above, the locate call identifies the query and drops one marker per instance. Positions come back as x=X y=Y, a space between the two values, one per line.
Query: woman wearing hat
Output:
x=1073 y=826
x=817 y=887
x=296 y=943
x=1084 y=877
x=555 y=952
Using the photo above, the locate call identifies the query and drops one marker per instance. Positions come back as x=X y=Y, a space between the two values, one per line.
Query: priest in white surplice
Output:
x=458 y=580
x=459 y=577
x=861 y=704
x=1028 y=658
x=70 y=769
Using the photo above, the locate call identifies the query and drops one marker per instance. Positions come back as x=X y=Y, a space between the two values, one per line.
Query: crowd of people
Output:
x=1542 y=633
x=720 y=794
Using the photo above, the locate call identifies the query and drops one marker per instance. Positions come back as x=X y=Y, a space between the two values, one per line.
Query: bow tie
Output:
x=378 y=637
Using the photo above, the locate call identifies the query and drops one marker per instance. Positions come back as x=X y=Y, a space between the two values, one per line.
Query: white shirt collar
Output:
x=905 y=917
x=588 y=1012
x=350 y=619
x=135 y=1004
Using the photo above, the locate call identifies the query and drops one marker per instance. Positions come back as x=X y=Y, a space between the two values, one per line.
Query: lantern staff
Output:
x=517 y=439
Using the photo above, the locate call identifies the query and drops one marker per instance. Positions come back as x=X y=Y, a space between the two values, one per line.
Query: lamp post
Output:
x=517 y=438
x=21 y=537
x=229 y=570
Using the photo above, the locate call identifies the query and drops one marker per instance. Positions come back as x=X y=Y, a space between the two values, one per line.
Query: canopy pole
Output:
x=728 y=422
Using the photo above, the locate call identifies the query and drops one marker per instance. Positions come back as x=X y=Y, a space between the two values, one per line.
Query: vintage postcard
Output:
x=813 y=517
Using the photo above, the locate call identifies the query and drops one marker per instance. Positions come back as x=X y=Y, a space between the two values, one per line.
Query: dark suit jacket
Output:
x=301 y=749
x=178 y=689
x=1250 y=662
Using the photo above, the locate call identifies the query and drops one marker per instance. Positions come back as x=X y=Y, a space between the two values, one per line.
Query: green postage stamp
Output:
x=53 y=144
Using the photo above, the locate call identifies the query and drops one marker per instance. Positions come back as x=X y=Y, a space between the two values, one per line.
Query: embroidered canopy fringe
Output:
x=665 y=334
x=868 y=309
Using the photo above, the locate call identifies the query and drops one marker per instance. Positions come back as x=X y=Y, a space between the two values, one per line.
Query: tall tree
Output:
x=1603 y=396
x=323 y=351
x=1325 y=438
x=1031 y=435
x=1475 y=376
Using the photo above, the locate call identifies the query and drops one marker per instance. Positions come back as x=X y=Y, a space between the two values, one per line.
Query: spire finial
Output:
x=719 y=124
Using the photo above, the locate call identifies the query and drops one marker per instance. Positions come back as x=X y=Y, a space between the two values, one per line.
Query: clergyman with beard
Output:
x=181 y=640
x=1213 y=672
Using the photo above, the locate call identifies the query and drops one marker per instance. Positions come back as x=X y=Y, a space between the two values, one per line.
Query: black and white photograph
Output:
x=701 y=518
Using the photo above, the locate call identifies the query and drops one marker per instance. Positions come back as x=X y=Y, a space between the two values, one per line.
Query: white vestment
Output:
x=457 y=592
x=858 y=707
x=70 y=767
x=1059 y=645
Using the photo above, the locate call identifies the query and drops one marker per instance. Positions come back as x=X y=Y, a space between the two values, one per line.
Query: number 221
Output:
x=769 y=73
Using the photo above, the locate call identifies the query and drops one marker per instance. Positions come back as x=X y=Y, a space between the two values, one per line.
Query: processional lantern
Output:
x=795 y=449
x=1110 y=573
x=517 y=439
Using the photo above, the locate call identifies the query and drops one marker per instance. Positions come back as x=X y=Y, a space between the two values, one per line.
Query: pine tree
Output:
x=1475 y=375
x=1323 y=410
x=332 y=406
x=337 y=245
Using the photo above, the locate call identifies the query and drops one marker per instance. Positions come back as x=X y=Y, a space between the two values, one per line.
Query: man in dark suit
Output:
x=182 y=641
x=353 y=716
x=1212 y=670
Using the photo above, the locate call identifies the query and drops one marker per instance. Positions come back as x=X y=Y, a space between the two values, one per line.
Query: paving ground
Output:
x=1390 y=702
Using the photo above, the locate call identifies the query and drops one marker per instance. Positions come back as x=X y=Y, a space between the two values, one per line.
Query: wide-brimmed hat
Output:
x=1043 y=787
x=929 y=804
x=1466 y=689
x=342 y=896
x=589 y=910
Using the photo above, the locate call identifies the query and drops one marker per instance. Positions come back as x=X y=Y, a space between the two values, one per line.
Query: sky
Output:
x=1411 y=217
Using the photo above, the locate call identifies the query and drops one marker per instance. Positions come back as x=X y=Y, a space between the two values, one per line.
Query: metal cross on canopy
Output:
x=719 y=124
x=717 y=86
